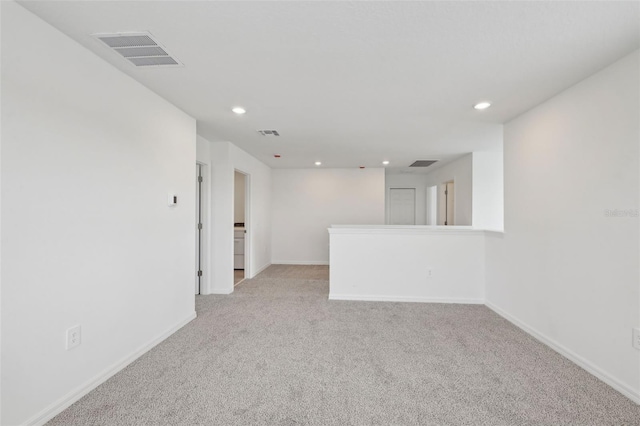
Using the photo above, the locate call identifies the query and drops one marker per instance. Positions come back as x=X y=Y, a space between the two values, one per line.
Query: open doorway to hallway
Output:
x=240 y=218
x=446 y=204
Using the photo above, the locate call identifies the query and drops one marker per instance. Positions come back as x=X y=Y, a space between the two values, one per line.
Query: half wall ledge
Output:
x=433 y=264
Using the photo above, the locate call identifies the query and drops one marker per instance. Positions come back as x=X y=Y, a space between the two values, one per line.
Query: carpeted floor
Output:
x=277 y=352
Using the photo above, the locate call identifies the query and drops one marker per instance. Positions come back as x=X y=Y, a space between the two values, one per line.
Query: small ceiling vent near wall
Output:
x=423 y=163
x=140 y=48
x=269 y=132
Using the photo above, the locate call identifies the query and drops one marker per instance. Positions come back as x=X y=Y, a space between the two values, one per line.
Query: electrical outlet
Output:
x=636 y=338
x=73 y=337
x=429 y=272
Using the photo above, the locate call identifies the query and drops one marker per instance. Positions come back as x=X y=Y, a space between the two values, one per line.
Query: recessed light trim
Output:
x=482 y=105
x=385 y=162
x=318 y=163
x=238 y=110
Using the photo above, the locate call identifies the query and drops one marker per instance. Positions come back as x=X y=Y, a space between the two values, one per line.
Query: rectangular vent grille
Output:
x=269 y=132
x=157 y=61
x=124 y=40
x=423 y=163
x=139 y=48
x=136 y=52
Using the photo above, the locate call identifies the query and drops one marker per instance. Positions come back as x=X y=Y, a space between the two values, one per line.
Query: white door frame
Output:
x=205 y=260
x=432 y=205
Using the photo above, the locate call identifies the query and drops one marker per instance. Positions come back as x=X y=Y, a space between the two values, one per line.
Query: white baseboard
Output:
x=302 y=262
x=373 y=298
x=65 y=402
x=220 y=291
x=261 y=269
x=630 y=393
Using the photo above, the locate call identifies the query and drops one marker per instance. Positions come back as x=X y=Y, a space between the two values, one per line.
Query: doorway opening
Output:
x=446 y=204
x=240 y=225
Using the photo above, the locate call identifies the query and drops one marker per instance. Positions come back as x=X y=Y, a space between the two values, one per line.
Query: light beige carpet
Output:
x=277 y=352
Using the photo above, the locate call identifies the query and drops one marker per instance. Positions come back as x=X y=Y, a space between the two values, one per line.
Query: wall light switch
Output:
x=173 y=200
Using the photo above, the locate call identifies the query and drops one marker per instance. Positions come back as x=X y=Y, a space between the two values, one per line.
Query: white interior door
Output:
x=432 y=205
x=402 y=206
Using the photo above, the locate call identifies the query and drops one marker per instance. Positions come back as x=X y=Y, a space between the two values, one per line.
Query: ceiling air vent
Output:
x=423 y=163
x=139 y=48
x=269 y=132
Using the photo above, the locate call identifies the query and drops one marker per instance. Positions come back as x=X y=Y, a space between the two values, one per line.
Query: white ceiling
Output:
x=353 y=83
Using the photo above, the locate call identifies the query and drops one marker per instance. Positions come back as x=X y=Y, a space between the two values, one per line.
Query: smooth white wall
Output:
x=226 y=158
x=564 y=269
x=0 y=226
x=258 y=222
x=488 y=190
x=307 y=201
x=460 y=172
x=408 y=180
x=407 y=264
x=203 y=151
x=89 y=157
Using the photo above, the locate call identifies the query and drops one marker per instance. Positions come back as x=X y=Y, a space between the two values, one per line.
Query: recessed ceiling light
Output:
x=318 y=163
x=238 y=110
x=482 y=105
x=385 y=162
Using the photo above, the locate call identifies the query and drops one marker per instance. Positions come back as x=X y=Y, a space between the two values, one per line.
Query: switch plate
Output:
x=636 y=338
x=73 y=337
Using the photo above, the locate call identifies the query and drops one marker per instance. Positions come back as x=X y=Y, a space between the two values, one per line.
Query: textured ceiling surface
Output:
x=354 y=83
